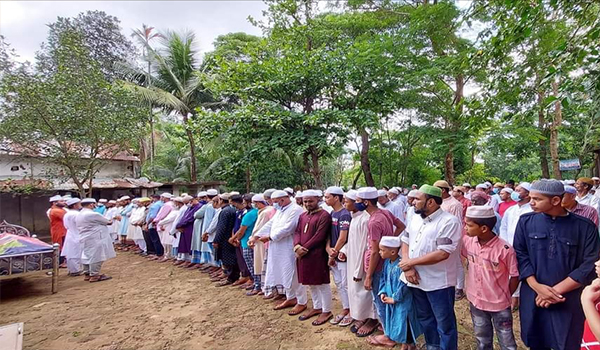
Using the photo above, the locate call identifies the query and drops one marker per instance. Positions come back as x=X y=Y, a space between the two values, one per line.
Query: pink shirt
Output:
x=490 y=268
x=163 y=212
x=381 y=223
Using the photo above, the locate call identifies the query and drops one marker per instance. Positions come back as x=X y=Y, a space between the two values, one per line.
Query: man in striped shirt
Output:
x=570 y=203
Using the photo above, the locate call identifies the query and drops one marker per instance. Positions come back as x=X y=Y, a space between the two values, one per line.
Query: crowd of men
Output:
x=399 y=258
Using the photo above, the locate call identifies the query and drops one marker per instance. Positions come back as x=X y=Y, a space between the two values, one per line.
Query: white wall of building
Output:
x=18 y=168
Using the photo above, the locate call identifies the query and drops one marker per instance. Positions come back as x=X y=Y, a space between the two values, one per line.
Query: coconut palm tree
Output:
x=144 y=36
x=176 y=85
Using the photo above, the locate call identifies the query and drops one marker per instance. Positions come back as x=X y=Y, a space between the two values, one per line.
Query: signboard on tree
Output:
x=569 y=164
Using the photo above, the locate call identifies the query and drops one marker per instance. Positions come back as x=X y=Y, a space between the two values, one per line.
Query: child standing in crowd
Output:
x=492 y=279
x=400 y=324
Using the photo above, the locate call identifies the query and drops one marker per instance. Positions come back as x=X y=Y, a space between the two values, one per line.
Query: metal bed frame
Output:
x=25 y=263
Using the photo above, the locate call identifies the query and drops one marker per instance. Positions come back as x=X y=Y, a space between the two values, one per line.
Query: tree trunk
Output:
x=152 y=142
x=356 y=178
x=248 y=180
x=190 y=136
x=542 y=127
x=556 y=123
x=364 y=158
x=449 y=164
x=316 y=170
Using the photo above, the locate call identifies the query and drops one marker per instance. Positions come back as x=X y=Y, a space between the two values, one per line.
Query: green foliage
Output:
x=72 y=117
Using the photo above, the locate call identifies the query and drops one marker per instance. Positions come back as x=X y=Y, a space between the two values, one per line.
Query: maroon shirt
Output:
x=311 y=233
x=381 y=223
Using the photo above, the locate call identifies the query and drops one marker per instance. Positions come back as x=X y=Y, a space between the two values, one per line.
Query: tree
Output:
x=101 y=36
x=144 y=36
x=177 y=86
x=73 y=117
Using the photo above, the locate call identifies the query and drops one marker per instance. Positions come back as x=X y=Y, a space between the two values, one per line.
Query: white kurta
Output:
x=110 y=215
x=95 y=240
x=174 y=233
x=137 y=216
x=164 y=226
x=591 y=200
x=72 y=246
x=396 y=209
x=212 y=228
x=508 y=225
x=281 y=260
x=361 y=300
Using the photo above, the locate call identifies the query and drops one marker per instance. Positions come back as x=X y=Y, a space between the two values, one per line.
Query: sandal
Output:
x=356 y=326
x=319 y=323
x=100 y=278
x=337 y=319
x=371 y=331
x=224 y=283
x=252 y=293
x=294 y=311
x=86 y=277
x=311 y=314
x=346 y=321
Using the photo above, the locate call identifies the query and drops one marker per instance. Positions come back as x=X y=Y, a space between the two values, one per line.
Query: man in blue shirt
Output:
x=153 y=241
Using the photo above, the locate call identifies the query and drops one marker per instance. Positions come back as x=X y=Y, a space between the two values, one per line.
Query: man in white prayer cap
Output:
x=95 y=240
x=385 y=203
x=101 y=207
x=72 y=247
x=298 y=198
x=281 y=261
x=340 y=223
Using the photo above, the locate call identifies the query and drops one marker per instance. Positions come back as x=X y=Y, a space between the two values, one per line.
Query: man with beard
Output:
x=429 y=261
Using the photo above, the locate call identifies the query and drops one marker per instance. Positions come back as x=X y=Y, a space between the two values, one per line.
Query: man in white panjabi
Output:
x=166 y=225
x=361 y=300
x=72 y=247
x=112 y=211
x=281 y=260
x=95 y=241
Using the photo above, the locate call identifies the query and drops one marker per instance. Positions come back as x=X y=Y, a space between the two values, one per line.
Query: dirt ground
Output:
x=157 y=306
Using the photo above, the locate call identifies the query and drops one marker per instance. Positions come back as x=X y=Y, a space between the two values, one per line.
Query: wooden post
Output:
x=55 y=263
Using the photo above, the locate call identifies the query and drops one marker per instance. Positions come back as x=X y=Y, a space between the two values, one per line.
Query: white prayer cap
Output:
x=299 y=194
x=480 y=212
x=177 y=199
x=367 y=193
x=351 y=195
x=596 y=178
x=212 y=192
x=187 y=198
x=279 y=194
x=183 y=195
x=269 y=192
x=390 y=241
x=394 y=190
x=413 y=193
x=526 y=185
x=124 y=198
x=488 y=184
x=258 y=198
x=570 y=189
x=570 y=182
x=225 y=196
x=112 y=201
x=311 y=193
x=166 y=195
x=382 y=193
x=88 y=200
x=289 y=190
x=102 y=200
x=507 y=190
x=233 y=193
x=320 y=193
x=334 y=190
x=56 y=198
x=202 y=194
x=66 y=197
x=483 y=186
x=466 y=184
x=72 y=201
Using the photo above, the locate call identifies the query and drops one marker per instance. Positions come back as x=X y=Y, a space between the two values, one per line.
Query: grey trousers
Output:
x=485 y=322
x=92 y=269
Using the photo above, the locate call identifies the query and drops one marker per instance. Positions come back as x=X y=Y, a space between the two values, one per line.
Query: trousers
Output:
x=92 y=269
x=321 y=297
x=340 y=278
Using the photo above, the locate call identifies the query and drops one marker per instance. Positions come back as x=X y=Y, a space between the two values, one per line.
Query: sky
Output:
x=23 y=23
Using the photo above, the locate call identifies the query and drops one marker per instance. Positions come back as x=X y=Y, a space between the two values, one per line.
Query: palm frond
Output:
x=156 y=97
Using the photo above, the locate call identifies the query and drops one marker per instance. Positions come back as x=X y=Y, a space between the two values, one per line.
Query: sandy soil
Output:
x=157 y=306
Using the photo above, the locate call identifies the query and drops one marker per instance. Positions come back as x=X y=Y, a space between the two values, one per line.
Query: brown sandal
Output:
x=100 y=278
